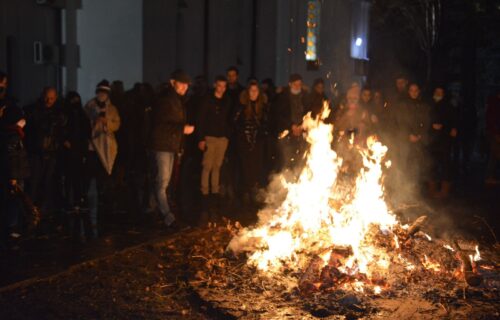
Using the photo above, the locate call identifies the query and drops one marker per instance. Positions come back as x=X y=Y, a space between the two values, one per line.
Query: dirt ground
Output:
x=161 y=280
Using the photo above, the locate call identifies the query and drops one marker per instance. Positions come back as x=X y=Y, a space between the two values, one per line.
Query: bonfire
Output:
x=353 y=241
x=330 y=245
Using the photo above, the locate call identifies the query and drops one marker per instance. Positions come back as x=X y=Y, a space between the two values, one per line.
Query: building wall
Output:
x=110 y=37
x=336 y=66
x=159 y=36
x=21 y=23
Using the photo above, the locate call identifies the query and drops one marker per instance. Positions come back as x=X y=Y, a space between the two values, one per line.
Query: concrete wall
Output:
x=159 y=36
x=21 y=23
x=110 y=37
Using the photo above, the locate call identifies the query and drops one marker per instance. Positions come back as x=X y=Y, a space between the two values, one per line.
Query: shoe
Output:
x=205 y=203
x=215 y=203
x=168 y=220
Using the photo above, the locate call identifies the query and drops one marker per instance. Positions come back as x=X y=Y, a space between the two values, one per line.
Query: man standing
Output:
x=443 y=131
x=234 y=88
x=291 y=106
x=169 y=125
x=231 y=172
x=44 y=138
x=213 y=131
x=415 y=128
x=493 y=134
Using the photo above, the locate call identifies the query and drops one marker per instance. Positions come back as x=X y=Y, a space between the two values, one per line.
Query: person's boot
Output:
x=432 y=189
x=205 y=202
x=445 y=190
x=214 y=207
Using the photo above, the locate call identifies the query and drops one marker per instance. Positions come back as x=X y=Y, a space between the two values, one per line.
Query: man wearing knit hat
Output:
x=168 y=127
x=104 y=121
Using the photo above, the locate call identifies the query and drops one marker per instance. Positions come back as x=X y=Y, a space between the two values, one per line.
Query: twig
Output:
x=488 y=226
x=200 y=257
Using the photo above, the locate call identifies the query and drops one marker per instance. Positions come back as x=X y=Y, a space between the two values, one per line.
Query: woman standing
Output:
x=250 y=132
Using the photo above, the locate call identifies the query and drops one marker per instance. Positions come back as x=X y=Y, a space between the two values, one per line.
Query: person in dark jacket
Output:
x=443 y=131
x=414 y=123
x=167 y=133
x=213 y=133
x=317 y=97
x=230 y=174
x=75 y=149
x=493 y=135
x=14 y=169
x=234 y=88
x=45 y=125
x=290 y=108
x=250 y=130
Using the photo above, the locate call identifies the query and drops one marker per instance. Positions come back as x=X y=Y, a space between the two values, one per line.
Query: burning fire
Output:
x=313 y=222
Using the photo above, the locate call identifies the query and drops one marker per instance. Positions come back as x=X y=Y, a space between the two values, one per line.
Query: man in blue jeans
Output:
x=168 y=127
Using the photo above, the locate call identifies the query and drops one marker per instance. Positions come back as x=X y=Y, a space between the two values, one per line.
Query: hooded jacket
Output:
x=103 y=139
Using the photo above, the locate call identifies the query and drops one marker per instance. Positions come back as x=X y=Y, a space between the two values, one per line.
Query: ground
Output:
x=138 y=270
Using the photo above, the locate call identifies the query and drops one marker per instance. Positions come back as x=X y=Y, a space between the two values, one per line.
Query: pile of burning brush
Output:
x=413 y=254
x=352 y=241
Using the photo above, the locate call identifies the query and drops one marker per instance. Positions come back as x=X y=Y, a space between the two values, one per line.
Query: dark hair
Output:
x=3 y=75
x=401 y=76
x=318 y=81
x=220 y=78
x=233 y=68
x=294 y=77
x=253 y=82
x=268 y=81
x=366 y=88
x=47 y=89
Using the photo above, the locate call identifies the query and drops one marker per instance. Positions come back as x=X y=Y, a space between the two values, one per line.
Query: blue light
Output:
x=359 y=42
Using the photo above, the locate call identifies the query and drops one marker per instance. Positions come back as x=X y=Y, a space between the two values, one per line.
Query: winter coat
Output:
x=214 y=117
x=316 y=102
x=78 y=130
x=168 y=121
x=442 y=113
x=414 y=118
x=251 y=120
x=103 y=139
x=493 y=117
x=45 y=128
x=13 y=157
x=283 y=110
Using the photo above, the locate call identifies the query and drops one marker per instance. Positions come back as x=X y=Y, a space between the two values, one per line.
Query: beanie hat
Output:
x=103 y=86
x=180 y=76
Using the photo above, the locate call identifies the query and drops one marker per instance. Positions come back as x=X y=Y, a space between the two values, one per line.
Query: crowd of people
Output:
x=189 y=145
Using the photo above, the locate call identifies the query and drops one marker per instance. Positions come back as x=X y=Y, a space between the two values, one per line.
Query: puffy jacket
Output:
x=168 y=120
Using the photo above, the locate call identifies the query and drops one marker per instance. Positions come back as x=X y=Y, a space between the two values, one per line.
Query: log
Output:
x=472 y=278
x=415 y=227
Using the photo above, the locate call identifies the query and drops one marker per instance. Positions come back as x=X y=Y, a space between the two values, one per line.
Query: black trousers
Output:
x=43 y=182
x=251 y=163
x=75 y=178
